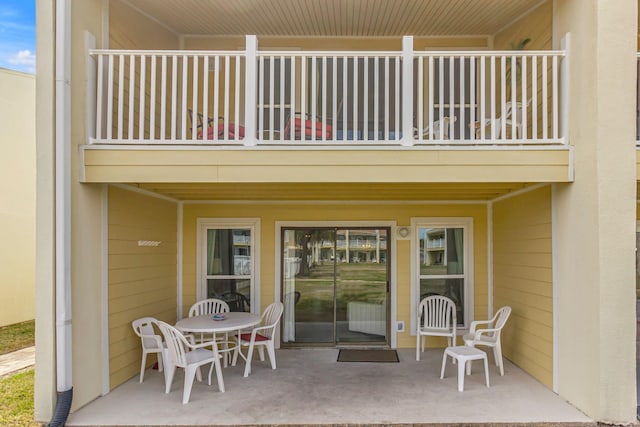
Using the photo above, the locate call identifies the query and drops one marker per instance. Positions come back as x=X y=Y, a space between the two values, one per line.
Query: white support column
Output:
x=250 y=79
x=407 y=90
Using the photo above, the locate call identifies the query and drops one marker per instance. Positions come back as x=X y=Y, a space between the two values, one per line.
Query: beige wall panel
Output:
x=129 y=29
x=18 y=189
x=401 y=213
x=142 y=280
x=521 y=224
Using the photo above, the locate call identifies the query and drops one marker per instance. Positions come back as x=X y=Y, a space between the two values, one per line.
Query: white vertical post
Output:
x=251 y=46
x=407 y=90
x=565 y=45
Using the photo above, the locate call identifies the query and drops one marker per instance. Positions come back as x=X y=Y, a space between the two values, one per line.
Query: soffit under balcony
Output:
x=343 y=192
x=335 y=18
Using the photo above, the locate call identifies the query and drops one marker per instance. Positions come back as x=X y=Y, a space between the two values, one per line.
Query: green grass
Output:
x=16 y=395
x=15 y=337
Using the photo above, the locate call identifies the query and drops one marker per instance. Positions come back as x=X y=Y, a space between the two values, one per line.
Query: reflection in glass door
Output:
x=335 y=286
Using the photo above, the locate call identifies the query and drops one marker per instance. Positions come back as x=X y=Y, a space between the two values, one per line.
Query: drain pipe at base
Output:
x=63 y=213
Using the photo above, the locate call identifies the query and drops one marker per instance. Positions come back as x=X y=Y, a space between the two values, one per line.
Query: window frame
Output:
x=205 y=224
x=466 y=223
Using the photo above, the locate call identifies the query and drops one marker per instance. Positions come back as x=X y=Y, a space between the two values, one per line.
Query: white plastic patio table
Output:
x=233 y=321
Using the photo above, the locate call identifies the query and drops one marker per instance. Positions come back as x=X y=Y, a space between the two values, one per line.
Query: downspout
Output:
x=63 y=213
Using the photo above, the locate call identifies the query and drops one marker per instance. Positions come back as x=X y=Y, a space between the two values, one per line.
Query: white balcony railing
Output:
x=255 y=97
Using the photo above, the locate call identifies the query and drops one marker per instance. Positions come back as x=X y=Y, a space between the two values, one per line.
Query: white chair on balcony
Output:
x=261 y=336
x=433 y=132
x=511 y=116
x=151 y=342
x=489 y=335
x=436 y=317
x=182 y=354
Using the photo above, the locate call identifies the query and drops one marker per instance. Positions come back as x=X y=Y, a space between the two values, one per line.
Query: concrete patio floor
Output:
x=311 y=388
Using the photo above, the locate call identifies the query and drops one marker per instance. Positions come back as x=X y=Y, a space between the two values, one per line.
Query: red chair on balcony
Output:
x=216 y=128
x=312 y=129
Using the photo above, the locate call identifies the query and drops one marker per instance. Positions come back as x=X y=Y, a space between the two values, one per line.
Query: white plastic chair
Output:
x=436 y=317
x=489 y=335
x=208 y=306
x=151 y=342
x=511 y=116
x=434 y=131
x=182 y=354
x=261 y=336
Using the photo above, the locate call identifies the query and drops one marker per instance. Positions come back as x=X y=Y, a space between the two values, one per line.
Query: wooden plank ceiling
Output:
x=335 y=18
x=333 y=192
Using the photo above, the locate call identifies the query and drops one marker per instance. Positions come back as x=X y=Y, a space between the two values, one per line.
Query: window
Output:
x=227 y=262
x=443 y=264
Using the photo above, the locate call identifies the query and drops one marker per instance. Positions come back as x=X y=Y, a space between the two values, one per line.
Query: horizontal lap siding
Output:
x=522 y=255
x=142 y=279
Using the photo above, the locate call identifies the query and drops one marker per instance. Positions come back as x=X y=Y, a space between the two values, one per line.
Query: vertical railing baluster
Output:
x=472 y=97
x=271 y=104
x=431 y=106
x=174 y=94
x=463 y=99
x=314 y=98
x=545 y=99
x=205 y=97
x=376 y=97
x=163 y=98
x=281 y=110
x=261 y=84
x=142 y=95
x=345 y=104
x=120 y=95
x=493 y=97
x=152 y=99
x=523 y=98
x=185 y=73
x=334 y=97
x=99 y=96
x=387 y=100
x=420 y=98
x=110 y=98
x=303 y=99
x=355 y=98
x=323 y=98
x=452 y=96
x=365 y=101
x=534 y=95
x=554 y=77
x=216 y=104
x=194 y=95
x=514 y=98
x=483 y=105
x=226 y=117
x=236 y=113
x=292 y=107
x=397 y=128
x=503 y=94
x=132 y=82
x=441 y=104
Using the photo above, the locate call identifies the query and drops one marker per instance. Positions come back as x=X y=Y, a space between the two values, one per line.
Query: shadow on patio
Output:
x=310 y=387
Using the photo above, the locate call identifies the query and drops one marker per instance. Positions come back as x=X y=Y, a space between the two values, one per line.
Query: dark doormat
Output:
x=368 y=356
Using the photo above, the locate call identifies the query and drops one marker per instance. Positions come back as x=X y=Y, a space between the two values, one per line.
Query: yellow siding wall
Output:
x=522 y=279
x=142 y=279
x=401 y=213
x=18 y=189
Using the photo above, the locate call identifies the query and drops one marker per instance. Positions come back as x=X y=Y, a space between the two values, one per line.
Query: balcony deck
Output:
x=311 y=388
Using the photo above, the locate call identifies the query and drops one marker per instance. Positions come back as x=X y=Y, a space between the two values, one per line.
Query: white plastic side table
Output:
x=464 y=354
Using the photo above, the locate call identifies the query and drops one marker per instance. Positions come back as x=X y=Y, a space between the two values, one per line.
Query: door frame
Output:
x=392 y=225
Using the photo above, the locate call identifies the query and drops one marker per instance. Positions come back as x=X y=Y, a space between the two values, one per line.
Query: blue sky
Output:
x=18 y=35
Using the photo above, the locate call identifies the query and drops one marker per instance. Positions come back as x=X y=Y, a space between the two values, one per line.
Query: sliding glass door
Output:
x=335 y=286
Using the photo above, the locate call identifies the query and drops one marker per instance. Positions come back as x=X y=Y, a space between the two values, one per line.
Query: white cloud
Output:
x=23 y=59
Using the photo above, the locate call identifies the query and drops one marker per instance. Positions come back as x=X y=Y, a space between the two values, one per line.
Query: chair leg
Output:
x=160 y=357
x=189 y=373
x=497 y=353
x=444 y=362
x=216 y=365
x=170 y=370
x=469 y=367
x=143 y=365
x=272 y=354
x=486 y=370
x=261 y=353
x=461 y=374
x=417 y=346
x=247 y=367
